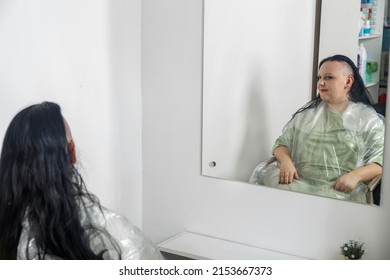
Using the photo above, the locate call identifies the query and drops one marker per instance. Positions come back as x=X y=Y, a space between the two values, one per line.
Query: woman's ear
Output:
x=350 y=80
x=72 y=152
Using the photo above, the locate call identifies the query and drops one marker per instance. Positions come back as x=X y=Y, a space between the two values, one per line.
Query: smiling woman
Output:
x=334 y=144
x=334 y=82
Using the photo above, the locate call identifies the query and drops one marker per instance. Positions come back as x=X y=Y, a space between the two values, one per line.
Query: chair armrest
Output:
x=374 y=183
x=271 y=160
x=257 y=174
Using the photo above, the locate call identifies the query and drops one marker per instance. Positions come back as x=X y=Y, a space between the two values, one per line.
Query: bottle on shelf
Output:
x=361 y=24
x=362 y=61
x=367 y=28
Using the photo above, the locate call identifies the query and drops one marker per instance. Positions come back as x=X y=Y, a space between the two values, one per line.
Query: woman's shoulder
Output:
x=359 y=116
x=132 y=241
x=361 y=108
x=307 y=118
x=311 y=111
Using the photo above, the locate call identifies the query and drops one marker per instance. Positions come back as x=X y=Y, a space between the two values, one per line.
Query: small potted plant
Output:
x=352 y=250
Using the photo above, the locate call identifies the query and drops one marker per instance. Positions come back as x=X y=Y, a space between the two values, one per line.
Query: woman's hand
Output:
x=287 y=173
x=346 y=183
x=349 y=181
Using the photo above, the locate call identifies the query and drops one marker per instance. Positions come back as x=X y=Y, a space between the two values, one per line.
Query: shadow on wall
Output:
x=256 y=141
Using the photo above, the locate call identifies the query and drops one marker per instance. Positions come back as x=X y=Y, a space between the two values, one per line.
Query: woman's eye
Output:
x=324 y=78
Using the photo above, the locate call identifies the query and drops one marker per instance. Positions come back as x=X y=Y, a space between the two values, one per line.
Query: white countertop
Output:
x=201 y=247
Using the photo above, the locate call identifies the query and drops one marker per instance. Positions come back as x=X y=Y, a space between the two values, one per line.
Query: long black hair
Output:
x=358 y=92
x=38 y=182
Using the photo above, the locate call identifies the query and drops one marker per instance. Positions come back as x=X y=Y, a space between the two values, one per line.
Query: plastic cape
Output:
x=324 y=145
x=132 y=243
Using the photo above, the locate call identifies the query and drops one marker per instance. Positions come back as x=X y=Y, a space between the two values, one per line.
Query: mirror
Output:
x=254 y=79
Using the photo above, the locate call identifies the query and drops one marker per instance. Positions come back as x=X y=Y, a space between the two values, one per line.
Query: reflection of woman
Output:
x=334 y=143
x=45 y=210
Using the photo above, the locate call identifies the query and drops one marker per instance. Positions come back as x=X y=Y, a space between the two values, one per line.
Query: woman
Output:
x=334 y=144
x=46 y=211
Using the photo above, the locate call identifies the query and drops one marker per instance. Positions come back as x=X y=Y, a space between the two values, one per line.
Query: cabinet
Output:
x=373 y=45
x=339 y=34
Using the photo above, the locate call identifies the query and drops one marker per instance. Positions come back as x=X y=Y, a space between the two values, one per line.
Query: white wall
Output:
x=85 y=55
x=177 y=198
x=337 y=34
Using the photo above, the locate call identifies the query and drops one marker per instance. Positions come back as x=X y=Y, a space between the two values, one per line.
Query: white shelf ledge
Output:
x=201 y=247
x=371 y=84
x=370 y=36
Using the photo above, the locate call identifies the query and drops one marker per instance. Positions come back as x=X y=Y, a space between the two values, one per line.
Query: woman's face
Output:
x=334 y=82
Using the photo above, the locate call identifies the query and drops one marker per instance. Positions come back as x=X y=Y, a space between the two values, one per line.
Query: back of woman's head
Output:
x=358 y=92
x=35 y=144
x=38 y=183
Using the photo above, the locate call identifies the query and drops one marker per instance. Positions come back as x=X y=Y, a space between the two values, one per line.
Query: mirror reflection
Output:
x=332 y=146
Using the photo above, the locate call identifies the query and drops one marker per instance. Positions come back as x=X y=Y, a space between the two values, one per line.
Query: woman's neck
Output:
x=339 y=107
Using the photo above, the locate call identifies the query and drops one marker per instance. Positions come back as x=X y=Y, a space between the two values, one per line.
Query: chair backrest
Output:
x=376 y=194
x=380 y=108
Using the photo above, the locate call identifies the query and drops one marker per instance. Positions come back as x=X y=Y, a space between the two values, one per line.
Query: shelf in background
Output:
x=371 y=84
x=370 y=36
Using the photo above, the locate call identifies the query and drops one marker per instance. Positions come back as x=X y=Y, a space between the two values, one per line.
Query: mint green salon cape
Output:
x=326 y=144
